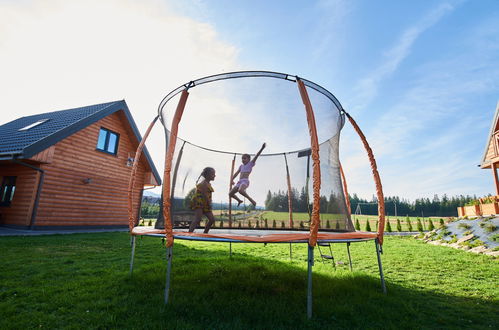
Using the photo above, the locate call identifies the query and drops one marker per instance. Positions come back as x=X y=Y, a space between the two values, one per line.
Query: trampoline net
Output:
x=224 y=119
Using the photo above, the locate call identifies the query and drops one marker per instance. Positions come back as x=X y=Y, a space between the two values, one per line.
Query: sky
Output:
x=421 y=78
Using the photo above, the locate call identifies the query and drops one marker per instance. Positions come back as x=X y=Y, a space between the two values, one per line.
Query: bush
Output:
x=388 y=227
x=150 y=222
x=257 y=224
x=409 y=224
x=368 y=226
x=495 y=238
x=399 y=225
x=301 y=224
x=274 y=224
x=337 y=224
x=239 y=224
x=221 y=224
x=249 y=223
x=430 y=225
x=489 y=228
x=328 y=225
x=357 y=224
x=463 y=226
x=266 y=223
x=420 y=226
x=442 y=223
x=283 y=225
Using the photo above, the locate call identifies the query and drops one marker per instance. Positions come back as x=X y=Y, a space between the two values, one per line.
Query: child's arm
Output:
x=259 y=152
x=203 y=189
x=235 y=175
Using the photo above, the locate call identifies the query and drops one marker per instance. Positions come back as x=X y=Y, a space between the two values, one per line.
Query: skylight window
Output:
x=32 y=125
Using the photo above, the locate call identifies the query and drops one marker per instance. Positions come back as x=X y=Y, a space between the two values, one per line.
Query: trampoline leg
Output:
x=309 y=286
x=169 y=254
x=133 y=254
x=378 y=250
x=349 y=257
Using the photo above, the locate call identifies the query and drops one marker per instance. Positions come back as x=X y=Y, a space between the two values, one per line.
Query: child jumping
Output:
x=243 y=183
x=201 y=200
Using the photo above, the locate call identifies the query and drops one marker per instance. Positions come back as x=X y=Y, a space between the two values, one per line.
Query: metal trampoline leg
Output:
x=133 y=254
x=378 y=252
x=349 y=256
x=169 y=255
x=309 y=286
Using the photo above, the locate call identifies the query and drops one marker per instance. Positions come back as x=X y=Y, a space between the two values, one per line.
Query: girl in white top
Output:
x=243 y=183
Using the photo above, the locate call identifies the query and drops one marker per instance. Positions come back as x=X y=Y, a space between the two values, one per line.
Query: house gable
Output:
x=491 y=154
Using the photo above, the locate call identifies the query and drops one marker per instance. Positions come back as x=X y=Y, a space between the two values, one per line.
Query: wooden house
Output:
x=490 y=159
x=71 y=168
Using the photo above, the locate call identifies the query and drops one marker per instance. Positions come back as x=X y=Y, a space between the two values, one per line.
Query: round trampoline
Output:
x=217 y=120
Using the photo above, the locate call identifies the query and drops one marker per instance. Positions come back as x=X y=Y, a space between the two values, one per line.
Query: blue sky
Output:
x=420 y=77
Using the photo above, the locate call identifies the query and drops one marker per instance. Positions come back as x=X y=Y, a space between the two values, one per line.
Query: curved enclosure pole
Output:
x=131 y=182
x=290 y=199
x=345 y=190
x=168 y=167
x=377 y=180
x=316 y=176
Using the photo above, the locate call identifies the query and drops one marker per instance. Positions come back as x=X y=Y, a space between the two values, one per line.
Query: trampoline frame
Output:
x=312 y=239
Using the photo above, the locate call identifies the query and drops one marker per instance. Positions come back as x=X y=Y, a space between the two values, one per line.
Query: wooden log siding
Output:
x=20 y=210
x=66 y=200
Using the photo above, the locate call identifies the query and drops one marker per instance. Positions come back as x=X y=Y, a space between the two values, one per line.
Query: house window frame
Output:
x=8 y=188
x=106 y=141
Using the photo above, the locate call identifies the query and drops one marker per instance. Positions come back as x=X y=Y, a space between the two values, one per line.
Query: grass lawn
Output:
x=82 y=281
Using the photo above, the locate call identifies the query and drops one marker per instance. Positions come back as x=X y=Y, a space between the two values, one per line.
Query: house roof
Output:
x=487 y=162
x=16 y=143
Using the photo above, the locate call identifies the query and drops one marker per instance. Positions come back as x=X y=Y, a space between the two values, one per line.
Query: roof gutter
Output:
x=38 y=192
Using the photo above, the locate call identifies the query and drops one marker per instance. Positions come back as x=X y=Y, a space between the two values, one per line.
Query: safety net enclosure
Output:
x=213 y=121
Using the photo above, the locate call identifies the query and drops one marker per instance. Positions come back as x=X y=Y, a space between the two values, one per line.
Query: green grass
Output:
x=82 y=281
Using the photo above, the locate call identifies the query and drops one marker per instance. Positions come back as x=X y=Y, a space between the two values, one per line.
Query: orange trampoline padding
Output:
x=257 y=238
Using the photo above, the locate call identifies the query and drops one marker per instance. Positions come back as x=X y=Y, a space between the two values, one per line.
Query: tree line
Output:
x=444 y=206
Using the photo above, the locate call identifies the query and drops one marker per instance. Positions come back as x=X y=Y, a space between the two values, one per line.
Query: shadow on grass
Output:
x=243 y=291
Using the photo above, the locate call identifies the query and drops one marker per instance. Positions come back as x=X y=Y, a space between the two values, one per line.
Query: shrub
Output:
x=430 y=225
x=463 y=225
x=388 y=227
x=249 y=223
x=399 y=225
x=357 y=224
x=283 y=225
x=257 y=224
x=150 y=222
x=301 y=224
x=337 y=224
x=221 y=224
x=442 y=223
x=239 y=224
x=495 y=238
x=328 y=225
x=489 y=228
x=420 y=225
x=468 y=232
x=368 y=226
x=409 y=224
x=273 y=223
x=266 y=223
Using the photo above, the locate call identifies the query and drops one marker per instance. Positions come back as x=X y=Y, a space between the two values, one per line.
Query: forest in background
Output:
x=443 y=206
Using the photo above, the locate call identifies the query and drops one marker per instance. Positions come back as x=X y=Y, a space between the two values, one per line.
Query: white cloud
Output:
x=367 y=88
x=56 y=55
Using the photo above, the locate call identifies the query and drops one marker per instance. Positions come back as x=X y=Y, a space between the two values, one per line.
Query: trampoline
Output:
x=215 y=120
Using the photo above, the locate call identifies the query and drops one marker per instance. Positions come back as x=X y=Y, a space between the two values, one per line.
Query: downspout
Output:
x=38 y=192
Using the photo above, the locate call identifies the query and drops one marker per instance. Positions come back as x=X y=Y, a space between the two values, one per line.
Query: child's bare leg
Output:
x=232 y=194
x=211 y=221
x=245 y=194
x=198 y=213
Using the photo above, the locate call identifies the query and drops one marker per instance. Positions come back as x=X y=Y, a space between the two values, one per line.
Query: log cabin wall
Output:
x=18 y=213
x=87 y=187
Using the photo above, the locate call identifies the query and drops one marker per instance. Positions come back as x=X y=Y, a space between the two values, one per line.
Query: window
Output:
x=25 y=128
x=7 y=191
x=108 y=141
